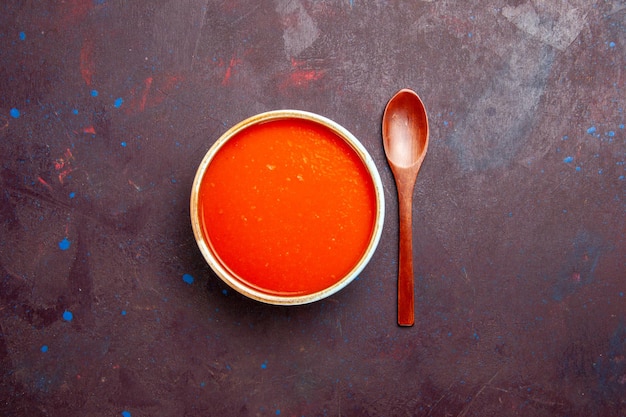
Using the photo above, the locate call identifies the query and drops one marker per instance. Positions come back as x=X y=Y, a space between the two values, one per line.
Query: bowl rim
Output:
x=237 y=284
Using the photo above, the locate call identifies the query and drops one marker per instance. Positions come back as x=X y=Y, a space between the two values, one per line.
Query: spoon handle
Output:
x=406 y=302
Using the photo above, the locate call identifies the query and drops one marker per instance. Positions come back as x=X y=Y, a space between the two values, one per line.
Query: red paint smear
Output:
x=44 y=183
x=73 y=12
x=87 y=64
x=229 y=71
x=295 y=63
x=301 y=77
x=89 y=129
x=144 y=96
x=305 y=76
x=171 y=81
x=151 y=93
x=64 y=174
x=63 y=165
x=62 y=162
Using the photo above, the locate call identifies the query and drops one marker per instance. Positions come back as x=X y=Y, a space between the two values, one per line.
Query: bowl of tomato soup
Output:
x=287 y=207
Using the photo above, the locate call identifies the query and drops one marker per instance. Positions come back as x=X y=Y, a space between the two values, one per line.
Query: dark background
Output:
x=108 y=106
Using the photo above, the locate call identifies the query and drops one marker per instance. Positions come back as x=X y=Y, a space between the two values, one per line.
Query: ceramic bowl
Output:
x=240 y=235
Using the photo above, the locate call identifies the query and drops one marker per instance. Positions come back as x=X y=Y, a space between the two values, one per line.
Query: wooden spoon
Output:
x=405 y=138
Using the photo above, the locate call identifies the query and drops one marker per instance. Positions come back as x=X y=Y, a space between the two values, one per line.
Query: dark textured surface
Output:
x=107 y=107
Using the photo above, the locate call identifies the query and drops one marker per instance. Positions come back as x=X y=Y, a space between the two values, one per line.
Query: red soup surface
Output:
x=287 y=206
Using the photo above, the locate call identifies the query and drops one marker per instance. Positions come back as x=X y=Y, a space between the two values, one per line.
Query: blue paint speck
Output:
x=123 y=312
x=568 y=159
x=188 y=279
x=94 y=93
x=67 y=315
x=125 y=413
x=72 y=194
x=123 y=144
x=75 y=111
x=578 y=169
x=277 y=412
x=44 y=348
x=118 y=102
x=610 y=133
x=591 y=130
x=621 y=294
x=15 y=113
x=621 y=126
x=621 y=178
x=264 y=365
x=64 y=244
x=225 y=291
x=611 y=44
x=600 y=171
x=22 y=36
x=475 y=336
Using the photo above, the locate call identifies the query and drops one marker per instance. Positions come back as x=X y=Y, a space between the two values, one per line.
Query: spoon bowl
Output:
x=405 y=130
x=405 y=139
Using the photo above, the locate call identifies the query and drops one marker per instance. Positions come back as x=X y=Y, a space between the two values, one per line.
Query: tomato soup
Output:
x=287 y=206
